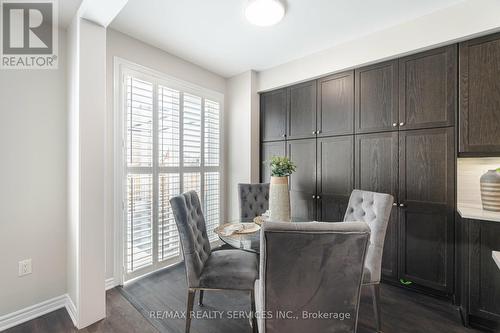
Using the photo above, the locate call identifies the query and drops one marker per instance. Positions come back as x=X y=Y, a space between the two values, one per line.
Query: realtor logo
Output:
x=29 y=34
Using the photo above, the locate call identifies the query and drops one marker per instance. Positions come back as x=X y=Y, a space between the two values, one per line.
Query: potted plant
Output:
x=490 y=190
x=279 y=196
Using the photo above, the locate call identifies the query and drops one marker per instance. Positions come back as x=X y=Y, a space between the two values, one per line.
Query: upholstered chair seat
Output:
x=254 y=200
x=375 y=210
x=229 y=269
x=207 y=270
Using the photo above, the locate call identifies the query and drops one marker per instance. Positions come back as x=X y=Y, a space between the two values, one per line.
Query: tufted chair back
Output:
x=374 y=209
x=193 y=234
x=254 y=200
x=312 y=267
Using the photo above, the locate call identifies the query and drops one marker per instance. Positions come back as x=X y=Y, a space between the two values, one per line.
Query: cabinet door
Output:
x=480 y=96
x=428 y=89
x=336 y=105
x=303 y=181
x=302 y=111
x=376 y=102
x=335 y=169
x=426 y=177
x=376 y=157
x=484 y=275
x=273 y=115
x=268 y=150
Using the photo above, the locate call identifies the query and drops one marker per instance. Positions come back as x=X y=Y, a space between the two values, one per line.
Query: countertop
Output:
x=496 y=257
x=477 y=213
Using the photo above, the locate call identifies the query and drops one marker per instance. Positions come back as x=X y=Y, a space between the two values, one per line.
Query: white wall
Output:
x=86 y=160
x=33 y=189
x=73 y=161
x=469 y=171
x=242 y=138
x=441 y=27
x=92 y=117
x=123 y=46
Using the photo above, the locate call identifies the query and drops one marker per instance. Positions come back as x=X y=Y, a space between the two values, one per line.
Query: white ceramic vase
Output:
x=279 y=200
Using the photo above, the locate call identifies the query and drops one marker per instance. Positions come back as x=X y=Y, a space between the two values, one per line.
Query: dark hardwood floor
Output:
x=402 y=311
x=121 y=317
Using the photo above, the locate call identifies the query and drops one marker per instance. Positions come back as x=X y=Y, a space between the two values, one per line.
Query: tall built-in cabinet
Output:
x=389 y=128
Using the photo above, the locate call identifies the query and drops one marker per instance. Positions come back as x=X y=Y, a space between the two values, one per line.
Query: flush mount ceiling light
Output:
x=264 y=13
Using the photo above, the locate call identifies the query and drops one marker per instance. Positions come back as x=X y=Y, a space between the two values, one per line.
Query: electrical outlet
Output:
x=25 y=267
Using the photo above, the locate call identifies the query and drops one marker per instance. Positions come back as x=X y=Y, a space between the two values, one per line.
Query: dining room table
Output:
x=249 y=239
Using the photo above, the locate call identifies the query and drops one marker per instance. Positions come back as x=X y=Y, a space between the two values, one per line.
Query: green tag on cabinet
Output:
x=405 y=282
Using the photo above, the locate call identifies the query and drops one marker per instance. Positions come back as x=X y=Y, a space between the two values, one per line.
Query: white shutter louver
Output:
x=192 y=130
x=139 y=123
x=140 y=217
x=169 y=127
x=212 y=133
x=168 y=242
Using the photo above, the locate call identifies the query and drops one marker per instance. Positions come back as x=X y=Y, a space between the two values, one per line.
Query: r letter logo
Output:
x=29 y=34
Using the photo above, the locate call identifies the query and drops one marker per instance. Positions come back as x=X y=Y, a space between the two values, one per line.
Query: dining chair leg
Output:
x=190 y=301
x=200 y=300
x=255 y=329
x=376 y=305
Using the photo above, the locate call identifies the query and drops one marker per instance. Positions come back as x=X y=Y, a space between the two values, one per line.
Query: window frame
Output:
x=122 y=69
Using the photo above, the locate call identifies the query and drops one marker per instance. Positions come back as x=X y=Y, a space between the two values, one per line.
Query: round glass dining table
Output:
x=248 y=241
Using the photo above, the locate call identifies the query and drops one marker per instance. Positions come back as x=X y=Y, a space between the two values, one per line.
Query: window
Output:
x=173 y=145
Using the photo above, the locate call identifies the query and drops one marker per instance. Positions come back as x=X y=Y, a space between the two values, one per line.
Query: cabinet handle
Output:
x=318 y=197
x=394 y=124
x=402 y=205
x=318 y=131
x=401 y=124
x=314 y=197
x=284 y=136
x=395 y=204
x=314 y=132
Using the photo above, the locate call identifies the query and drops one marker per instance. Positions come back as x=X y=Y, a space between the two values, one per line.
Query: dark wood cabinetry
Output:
x=480 y=96
x=390 y=127
x=428 y=89
x=303 y=181
x=426 y=196
x=336 y=105
x=479 y=275
x=335 y=176
x=302 y=111
x=417 y=167
x=273 y=108
x=376 y=168
x=268 y=150
x=376 y=98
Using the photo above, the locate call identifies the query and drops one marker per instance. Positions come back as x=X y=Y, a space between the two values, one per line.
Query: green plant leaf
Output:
x=281 y=166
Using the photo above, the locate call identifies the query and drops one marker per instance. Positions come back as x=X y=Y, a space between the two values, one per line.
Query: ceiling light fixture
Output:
x=264 y=13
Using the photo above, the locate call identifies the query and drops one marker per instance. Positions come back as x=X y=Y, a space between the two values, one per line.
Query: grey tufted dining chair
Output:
x=254 y=200
x=310 y=267
x=207 y=270
x=374 y=209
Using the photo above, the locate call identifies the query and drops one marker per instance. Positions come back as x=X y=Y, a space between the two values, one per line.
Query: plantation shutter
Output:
x=173 y=144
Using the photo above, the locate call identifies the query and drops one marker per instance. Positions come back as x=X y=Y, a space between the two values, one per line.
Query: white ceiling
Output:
x=67 y=10
x=214 y=34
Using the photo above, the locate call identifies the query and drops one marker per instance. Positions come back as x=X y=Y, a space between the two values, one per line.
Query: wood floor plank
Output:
x=402 y=311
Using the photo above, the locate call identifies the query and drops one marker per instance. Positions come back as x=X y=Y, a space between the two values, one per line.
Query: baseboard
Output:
x=37 y=310
x=31 y=312
x=71 y=309
x=110 y=283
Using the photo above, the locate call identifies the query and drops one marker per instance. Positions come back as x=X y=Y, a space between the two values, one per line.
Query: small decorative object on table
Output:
x=263 y=218
x=279 y=197
x=490 y=190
